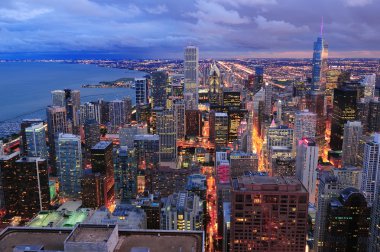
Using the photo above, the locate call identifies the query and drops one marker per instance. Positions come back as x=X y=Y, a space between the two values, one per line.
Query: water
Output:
x=25 y=87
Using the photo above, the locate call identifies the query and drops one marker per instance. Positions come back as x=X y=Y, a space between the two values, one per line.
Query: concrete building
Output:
x=35 y=136
x=241 y=162
x=167 y=136
x=306 y=166
x=352 y=134
x=304 y=125
x=69 y=164
x=182 y=211
x=268 y=214
x=191 y=75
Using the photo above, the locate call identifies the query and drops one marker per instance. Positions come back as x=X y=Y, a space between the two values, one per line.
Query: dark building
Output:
x=25 y=194
x=268 y=214
x=143 y=113
x=125 y=175
x=231 y=99
x=25 y=124
x=91 y=134
x=374 y=116
x=344 y=109
x=259 y=79
x=316 y=104
x=94 y=190
x=159 y=83
x=152 y=210
x=283 y=166
x=193 y=123
x=347 y=223
x=234 y=119
x=147 y=150
x=104 y=111
x=102 y=163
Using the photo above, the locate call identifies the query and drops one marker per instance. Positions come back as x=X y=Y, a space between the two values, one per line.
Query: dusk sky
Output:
x=162 y=28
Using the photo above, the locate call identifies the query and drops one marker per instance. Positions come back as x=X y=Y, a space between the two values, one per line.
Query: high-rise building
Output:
x=69 y=164
x=371 y=168
x=94 y=190
x=25 y=124
x=258 y=79
x=231 y=99
x=125 y=174
x=56 y=123
x=344 y=110
x=72 y=103
x=193 y=123
x=374 y=238
x=26 y=186
x=191 y=72
x=374 y=115
x=7 y=162
x=182 y=211
x=102 y=163
x=235 y=117
x=368 y=83
x=279 y=136
x=306 y=166
x=319 y=69
x=316 y=103
x=167 y=135
x=159 y=84
x=268 y=89
x=304 y=125
x=91 y=134
x=179 y=117
x=219 y=129
x=268 y=214
x=147 y=150
x=141 y=89
x=283 y=166
x=116 y=113
x=347 y=223
x=242 y=163
x=90 y=111
x=36 y=141
x=352 y=134
x=215 y=86
x=58 y=98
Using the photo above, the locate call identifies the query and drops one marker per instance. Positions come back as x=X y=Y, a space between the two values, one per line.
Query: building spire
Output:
x=322 y=28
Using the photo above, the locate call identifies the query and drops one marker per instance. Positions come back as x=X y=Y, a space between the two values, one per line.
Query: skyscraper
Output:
x=193 y=123
x=371 y=168
x=91 y=134
x=179 y=117
x=159 y=84
x=344 y=110
x=268 y=214
x=351 y=139
x=304 y=125
x=25 y=124
x=219 y=129
x=191 y=69
x=215 y=86
x=36 y=141
x=69 y=164
x=90 y=111
x=116 y=113
x=374 y=238
x=58 y=98
x=347 y=223
x=319 y=63
x=56 y=123
x=102 y=163
x=141 y=89
x=306 y=166
x=167 y=135
x=268 y=100
x=26 y=187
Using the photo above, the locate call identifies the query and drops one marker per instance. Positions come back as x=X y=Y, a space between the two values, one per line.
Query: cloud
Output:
x=357 y=3
x=216 y=13
x=278 y=27
x=21 y=12
x=247 y=2
x=159 y=9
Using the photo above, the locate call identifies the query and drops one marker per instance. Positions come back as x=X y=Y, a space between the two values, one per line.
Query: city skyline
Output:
x=161 y=29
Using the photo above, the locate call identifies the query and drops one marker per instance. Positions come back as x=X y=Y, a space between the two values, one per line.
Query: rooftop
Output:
x=102 y=145
x=53 y=238
x=91 y=233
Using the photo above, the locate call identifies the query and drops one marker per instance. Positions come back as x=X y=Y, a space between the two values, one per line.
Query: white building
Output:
x=304 y=125
x=191 y=72
x=306 y=166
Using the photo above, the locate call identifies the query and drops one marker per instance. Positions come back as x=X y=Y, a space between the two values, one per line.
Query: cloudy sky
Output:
x=162 y=28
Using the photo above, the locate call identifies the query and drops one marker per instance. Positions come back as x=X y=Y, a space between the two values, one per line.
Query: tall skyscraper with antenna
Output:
x=319 y=63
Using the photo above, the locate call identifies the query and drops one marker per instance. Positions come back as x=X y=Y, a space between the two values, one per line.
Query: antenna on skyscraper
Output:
x=322 y=27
